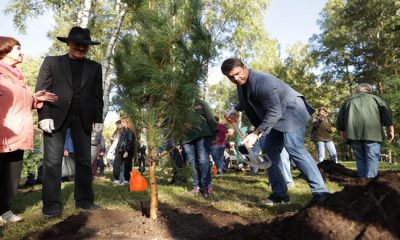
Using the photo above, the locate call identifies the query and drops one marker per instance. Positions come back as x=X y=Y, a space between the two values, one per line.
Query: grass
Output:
x=383 y=166
x=234 y=192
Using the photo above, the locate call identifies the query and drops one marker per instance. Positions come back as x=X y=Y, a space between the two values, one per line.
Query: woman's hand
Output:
x=125 y=155
x=44 y=96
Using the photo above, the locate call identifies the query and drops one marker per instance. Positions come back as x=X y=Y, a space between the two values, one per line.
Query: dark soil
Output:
x=336 y=172
x=362 y=210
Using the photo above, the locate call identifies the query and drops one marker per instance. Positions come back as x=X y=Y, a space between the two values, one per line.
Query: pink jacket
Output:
x=16 y=103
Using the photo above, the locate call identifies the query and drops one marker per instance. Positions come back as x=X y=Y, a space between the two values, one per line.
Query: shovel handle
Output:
x=233 y=122
x=229 y=119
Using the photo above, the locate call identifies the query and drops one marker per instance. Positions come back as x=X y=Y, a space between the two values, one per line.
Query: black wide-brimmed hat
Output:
x=78 y=35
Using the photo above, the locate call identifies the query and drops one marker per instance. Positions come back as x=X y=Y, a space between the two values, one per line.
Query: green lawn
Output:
x=383 y=166
x=234 y=192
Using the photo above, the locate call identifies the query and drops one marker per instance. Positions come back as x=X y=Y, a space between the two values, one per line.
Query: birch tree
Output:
x=84 y=13
x=106 y=62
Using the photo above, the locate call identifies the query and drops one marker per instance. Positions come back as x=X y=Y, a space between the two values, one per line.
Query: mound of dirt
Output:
x=337 y=173
x=364 y=210
x=361 y=211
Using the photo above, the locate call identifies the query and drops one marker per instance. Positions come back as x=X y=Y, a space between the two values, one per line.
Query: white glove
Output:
x=250 y=140
x=233 y=111
x=47 y=125
x=98 y=127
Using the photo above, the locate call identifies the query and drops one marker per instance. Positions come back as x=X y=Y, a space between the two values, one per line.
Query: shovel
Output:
x=258 y=161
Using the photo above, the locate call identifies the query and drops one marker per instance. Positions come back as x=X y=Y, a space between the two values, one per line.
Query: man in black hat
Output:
x=77 y=81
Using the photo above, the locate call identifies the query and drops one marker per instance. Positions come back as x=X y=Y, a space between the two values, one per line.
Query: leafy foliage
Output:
x=25 y=9
x=235 y=24
x=159 y=70
x=359 y=40
x=223 y=97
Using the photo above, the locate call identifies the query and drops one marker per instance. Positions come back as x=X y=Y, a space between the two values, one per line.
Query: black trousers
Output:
x=118 y=160
x=142 y=164
x=10 y=173
x=178 y=163
x=53 y=152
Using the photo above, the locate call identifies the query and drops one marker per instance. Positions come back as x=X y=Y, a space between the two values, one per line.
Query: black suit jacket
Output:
x=55 y=76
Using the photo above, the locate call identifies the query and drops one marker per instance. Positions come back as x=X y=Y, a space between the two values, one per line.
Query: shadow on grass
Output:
x=27 y=198
x=64 y=229
x=189 y=224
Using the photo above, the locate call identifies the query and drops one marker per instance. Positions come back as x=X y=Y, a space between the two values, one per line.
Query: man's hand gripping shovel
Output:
x=253 y=160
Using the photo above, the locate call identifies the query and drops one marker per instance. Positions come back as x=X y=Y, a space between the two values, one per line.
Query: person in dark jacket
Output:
x=360 y=121
x=125 y=149
x=176 y=155
x=196 y=145
x=77 y=81
x=279 y=114
x=321 y=135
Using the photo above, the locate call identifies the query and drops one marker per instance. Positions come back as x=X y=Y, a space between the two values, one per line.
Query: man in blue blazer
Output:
x=279 y=114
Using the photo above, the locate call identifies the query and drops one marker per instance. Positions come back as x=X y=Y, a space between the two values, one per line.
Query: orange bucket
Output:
x=137 y=183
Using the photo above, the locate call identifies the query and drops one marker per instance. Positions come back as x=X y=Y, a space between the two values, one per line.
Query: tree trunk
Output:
x=151 y=141
x=205 y=86
x=153 y=183
x=84 y=13
x=106 y=63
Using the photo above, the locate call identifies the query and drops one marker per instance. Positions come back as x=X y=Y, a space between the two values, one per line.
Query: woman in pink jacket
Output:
x=16 y=123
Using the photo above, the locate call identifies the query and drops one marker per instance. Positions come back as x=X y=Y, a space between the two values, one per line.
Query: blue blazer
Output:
x=270 y=103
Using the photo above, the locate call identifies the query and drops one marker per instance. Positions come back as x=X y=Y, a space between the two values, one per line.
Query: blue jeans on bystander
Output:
x=217 y=153
x=367 y=155
x=321 y=145
x=197 y=154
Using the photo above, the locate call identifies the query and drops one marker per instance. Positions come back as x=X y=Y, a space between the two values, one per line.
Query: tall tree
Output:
x=158 y=77
x=359 y=41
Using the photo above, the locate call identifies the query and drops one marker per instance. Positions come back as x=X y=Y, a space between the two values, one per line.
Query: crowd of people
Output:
x=69 y=101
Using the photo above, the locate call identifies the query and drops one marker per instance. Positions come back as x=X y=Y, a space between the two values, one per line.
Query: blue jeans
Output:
x=121 y=173
x=294 y=144
x=197 y=154
x=367 y=155
x=217 y=153
x=287 y=175
x=321 y=150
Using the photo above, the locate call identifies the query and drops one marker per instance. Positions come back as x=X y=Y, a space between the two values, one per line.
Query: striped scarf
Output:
x=12 y=73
